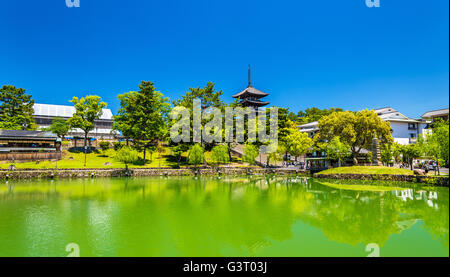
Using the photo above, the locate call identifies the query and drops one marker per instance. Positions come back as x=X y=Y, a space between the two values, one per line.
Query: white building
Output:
x=404 y=130
x=44 y=114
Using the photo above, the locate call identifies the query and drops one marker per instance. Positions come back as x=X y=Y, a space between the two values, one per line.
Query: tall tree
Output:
x=143 y=115
x=16 y=109
x=356 y=129
x=87 y=110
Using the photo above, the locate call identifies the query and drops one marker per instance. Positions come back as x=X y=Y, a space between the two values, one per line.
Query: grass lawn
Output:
x=367 y=170
x=106 y=160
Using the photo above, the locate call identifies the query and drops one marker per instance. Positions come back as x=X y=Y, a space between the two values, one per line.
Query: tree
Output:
x=143 y=116
x=16 y=109
x=59 y=126
x=277 y=155
x=356 y=129
x=178 y=150
x=387 y=154
x=220 y=154
x=127 y=155
x=251 y=151
x=338 y=150
x=314 y=114
x=297 y=143
x=196 y=155
x=207 y=95
x=87 y=110
x=411 y=152
x=436 y=144
x=440 y=134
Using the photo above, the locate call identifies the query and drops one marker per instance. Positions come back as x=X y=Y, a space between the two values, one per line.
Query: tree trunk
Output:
x=411 y=164
x=145 y=150
x=85 y=148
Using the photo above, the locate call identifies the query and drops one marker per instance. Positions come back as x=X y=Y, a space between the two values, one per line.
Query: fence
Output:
x=23 y=157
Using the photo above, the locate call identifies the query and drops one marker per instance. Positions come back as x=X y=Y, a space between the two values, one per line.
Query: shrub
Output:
x=220 y=154
x=117 y=145
x=104 y=145
x=127 y=155
x=250 y=153
x=196 y=154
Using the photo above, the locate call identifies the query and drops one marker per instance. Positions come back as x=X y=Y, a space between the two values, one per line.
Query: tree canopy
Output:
x=16 y=109
x=143 y=115
x=356 y=129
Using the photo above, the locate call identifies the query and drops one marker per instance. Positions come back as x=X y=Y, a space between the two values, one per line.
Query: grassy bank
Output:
x=367 y=170
x=106 y=159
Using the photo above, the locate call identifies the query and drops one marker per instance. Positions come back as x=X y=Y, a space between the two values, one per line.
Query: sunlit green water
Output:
x=258 y=216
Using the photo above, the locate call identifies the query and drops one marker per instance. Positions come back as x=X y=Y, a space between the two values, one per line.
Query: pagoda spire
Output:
x=249 y=77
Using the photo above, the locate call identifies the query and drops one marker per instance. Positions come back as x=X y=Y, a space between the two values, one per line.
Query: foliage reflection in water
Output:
x=228 y=216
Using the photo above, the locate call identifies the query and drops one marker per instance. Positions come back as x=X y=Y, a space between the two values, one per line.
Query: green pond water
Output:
x=228 y=216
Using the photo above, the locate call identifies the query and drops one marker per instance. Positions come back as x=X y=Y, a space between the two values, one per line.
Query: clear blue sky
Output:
x=328 y=53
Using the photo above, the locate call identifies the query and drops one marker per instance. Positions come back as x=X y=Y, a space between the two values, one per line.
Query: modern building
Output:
x=251 y=97
x=436 y=114
x=404 y=130
x=19 y=145
x=45 y=113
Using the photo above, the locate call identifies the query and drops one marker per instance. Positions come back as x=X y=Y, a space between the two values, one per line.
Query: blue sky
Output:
x=305 y=53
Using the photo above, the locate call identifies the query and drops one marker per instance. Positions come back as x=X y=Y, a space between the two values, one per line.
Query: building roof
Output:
x=63 y=111
x=441 y=112
x=385 y=110
x=249 y=102
x=250 y=91
x=10 y=134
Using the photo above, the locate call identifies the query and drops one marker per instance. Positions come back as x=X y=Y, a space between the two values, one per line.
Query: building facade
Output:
x=404 y=130
x=45 y=113
x=19 y=145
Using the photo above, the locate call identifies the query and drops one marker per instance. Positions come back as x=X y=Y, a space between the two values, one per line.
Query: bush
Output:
x=104 y=145
x=251 y=152
x=196 y=154
x=117 y=145
x=127 y=155
x=220 y=154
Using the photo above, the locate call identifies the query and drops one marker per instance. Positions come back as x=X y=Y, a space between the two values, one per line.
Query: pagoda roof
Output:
x=250 y=91
x=248 y=102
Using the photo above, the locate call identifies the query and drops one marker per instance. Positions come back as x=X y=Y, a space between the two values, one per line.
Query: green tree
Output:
x=178 y=150
x=356 y=129
x=87 y=110
x=314 y=114
x=441 y=136
x=127 y=155
x=220 y=154
x=16 y=109
x=104 y=145
x=59 y=126
x=298 y=143
x=143 y=116
x=196 y=155
x=338 y=150
x=387 y=154
x=411 y=152
x=277 y=155
x=251 y=152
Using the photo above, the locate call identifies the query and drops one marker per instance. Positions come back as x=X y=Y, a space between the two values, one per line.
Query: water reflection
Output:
x=227 y=216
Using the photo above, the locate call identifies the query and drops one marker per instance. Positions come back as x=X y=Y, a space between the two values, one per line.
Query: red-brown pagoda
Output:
x=250 y=97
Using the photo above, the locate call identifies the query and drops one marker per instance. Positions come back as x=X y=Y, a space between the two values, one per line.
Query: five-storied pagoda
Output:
x=250 y=97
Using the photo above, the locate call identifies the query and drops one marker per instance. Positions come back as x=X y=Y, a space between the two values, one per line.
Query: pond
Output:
x=227 y=216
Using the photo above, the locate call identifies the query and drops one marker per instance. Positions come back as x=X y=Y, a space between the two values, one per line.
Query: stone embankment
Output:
x=434 y=180
x=140 y=172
